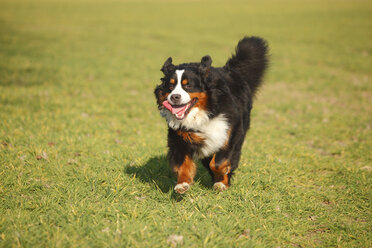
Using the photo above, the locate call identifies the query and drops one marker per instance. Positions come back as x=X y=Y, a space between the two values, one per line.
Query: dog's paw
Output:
x=181 y=188
x=220 y=186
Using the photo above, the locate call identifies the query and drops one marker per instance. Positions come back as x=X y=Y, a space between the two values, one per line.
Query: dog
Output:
x=207 y=110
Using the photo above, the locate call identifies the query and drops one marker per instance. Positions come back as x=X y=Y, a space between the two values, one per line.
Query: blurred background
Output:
x=82 y=143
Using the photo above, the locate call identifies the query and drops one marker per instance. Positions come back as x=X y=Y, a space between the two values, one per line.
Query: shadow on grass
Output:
x=156 y=172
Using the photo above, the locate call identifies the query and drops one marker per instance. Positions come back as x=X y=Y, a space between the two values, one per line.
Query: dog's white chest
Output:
x=215 y=135
x=214 y=132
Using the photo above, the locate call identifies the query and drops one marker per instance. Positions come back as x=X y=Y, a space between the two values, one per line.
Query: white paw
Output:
x=181 y=188
x=219 y=186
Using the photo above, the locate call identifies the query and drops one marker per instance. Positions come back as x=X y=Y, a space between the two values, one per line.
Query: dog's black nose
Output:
x=175 y=98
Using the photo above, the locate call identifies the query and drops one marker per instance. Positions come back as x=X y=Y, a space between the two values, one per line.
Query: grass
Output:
x=82 y=146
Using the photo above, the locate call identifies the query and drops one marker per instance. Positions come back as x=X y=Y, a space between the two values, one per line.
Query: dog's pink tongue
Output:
x=176 y=111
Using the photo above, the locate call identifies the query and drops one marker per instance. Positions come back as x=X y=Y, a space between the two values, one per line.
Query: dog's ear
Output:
x=168 y=66
x=205 y=65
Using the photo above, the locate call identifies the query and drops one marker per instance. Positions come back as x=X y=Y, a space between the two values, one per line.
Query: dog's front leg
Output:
x=185 y=169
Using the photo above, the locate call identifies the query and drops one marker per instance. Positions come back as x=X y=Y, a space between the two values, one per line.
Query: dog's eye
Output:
x=171 y=87
x=185 y=84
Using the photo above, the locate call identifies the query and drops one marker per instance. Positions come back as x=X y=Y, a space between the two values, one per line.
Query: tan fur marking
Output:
x=172 y=81
x=162 y=97
x=202 y=99
x=226 y=145
x=184 y=81
x=190 y=137
x=186 y=172
x=220 y=173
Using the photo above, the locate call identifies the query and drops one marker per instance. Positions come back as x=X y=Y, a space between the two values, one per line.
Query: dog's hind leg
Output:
x=220 y=166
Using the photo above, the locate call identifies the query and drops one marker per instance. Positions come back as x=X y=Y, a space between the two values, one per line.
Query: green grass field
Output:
x=82 y=145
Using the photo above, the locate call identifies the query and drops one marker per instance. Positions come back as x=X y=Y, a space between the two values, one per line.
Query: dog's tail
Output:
x=250 y=61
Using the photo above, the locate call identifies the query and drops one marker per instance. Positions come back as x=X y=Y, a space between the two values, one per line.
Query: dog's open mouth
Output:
x=180 y=111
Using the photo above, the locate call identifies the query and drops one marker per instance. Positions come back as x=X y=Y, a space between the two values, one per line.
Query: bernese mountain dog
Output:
x=207 y=110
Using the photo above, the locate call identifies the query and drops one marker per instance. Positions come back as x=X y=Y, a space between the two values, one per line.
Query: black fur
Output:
x=230 y=91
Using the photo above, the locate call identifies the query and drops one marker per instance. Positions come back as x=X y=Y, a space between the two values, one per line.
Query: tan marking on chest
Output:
x=190 y=137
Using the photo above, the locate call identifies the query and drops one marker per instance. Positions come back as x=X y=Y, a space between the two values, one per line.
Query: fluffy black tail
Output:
x=250 y=61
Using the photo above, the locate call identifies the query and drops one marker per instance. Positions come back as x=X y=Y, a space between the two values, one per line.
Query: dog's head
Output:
x=183 y=87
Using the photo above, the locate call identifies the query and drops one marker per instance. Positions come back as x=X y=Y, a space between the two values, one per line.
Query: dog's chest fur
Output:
x=213 y=132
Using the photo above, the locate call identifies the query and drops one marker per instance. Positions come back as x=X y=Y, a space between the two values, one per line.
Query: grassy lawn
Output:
x=82 y=145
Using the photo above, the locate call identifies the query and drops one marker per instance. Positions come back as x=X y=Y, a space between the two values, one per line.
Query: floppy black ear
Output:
x=205 y=65
x=168 y=66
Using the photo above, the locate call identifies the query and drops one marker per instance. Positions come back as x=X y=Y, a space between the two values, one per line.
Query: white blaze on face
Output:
x=185 y=97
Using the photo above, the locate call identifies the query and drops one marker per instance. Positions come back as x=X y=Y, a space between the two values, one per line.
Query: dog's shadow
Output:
x=156 y=172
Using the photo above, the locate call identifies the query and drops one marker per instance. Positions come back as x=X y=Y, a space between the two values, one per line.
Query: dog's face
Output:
x=183 y=87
